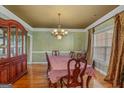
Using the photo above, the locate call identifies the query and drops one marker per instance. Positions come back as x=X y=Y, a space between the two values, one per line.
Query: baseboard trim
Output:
x=39 y=63
x=102 y=72
x=29 y=63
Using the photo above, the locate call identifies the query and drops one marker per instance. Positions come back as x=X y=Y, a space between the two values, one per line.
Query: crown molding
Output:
x=51 y=29
x=11 y=15
x=106 y=17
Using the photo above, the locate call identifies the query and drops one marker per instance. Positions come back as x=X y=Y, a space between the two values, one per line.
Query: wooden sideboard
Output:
x=12 y=69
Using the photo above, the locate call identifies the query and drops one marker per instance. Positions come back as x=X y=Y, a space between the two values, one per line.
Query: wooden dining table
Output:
x=59 y=68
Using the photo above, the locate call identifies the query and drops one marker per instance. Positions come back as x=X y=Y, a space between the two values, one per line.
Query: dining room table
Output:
x=59 y=68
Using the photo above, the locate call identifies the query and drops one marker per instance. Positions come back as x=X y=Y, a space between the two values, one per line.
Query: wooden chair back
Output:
x=47 y=58
x=80 y=56
x=77 y=73
x=55 y=53
x=72 y=54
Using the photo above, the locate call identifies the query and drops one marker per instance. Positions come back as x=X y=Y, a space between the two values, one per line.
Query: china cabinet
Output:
x=13 y=58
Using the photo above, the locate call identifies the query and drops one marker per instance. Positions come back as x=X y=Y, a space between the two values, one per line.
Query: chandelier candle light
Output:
x=59 y=33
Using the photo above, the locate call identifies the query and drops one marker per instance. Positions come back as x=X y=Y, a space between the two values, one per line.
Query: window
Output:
x=102 y=48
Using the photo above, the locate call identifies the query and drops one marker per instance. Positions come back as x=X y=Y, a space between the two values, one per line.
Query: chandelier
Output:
x=59 y=33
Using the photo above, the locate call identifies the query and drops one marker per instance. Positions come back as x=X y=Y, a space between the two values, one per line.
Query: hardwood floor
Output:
x=100 y=79
x=37 y=78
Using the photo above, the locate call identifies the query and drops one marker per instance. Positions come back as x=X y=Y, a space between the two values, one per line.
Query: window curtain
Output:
x=117 y=52
x=89 y=55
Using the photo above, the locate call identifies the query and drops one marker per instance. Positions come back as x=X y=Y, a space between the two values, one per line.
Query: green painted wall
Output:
x=39 y=57
x=105 y=24
x=44 y=41
x=47 y=42
x=79 y=41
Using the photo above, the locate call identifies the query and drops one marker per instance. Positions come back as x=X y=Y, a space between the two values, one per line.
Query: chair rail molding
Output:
x=66 y=51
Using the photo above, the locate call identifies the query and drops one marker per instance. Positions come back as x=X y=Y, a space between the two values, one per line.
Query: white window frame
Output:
x=110 y=27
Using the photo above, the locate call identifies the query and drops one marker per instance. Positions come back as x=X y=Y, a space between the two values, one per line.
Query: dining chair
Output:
x=48 y=68
x=79 y=55
x=75 y=76
x=55 y=52
x=93 y=64
x=72 y=54
x=47 y=58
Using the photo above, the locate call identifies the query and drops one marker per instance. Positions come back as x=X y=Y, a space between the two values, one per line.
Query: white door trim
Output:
x=30 y=58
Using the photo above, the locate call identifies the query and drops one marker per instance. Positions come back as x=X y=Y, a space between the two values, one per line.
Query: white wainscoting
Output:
x=42 y=60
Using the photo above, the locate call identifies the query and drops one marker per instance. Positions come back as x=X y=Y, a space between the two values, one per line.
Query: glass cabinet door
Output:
x=3 y=42
x=13 y=41
x=19 y=42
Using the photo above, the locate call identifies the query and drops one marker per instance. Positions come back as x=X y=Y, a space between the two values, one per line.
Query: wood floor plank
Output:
x=37 y=78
